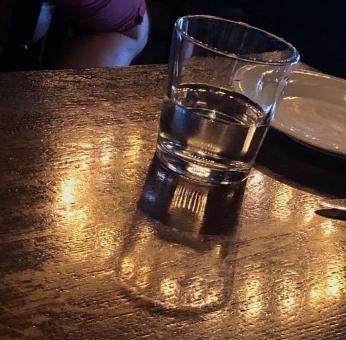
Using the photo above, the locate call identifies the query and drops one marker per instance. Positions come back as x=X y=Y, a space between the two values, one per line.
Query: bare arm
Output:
x=105 y=49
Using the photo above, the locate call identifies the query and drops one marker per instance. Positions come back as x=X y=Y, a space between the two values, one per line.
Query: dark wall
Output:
x=316 y=28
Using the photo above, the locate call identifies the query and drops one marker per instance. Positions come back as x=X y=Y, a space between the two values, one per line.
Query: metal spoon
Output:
x=339 y=204
x=333 y=208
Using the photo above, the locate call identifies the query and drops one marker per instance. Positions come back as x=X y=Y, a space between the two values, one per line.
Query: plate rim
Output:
x=275 y=123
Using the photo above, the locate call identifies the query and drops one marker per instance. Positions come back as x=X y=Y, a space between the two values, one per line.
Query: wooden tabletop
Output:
x=99 y=241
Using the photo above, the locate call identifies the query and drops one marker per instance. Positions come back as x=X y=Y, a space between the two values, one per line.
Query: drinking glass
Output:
x=225 y=79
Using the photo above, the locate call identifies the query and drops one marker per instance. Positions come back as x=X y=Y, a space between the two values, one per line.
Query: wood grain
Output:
x=98 y=240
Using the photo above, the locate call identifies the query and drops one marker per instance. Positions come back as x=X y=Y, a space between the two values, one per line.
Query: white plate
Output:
x=313 y=111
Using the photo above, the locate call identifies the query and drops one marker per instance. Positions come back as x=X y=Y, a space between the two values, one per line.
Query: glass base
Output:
x=201 y=170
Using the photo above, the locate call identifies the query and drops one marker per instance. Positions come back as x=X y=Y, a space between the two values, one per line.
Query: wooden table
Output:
x=81 y=258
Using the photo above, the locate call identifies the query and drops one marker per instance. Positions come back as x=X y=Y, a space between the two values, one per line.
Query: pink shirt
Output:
x=104 y=15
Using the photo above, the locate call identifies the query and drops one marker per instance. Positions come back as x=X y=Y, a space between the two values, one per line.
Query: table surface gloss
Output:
x=98 y=240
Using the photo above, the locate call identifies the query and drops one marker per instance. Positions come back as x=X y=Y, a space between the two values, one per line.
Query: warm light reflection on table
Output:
x=76 y=202
x=327 y=227
x=253 y=297
x=189 y=200
x=79 y=258
x=309 y=212
x=282 y=199
x=288 y=296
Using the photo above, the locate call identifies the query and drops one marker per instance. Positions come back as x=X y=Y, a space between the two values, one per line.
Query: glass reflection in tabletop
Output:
x=178 y=253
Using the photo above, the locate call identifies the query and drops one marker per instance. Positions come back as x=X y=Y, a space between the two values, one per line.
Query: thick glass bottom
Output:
x=199 y=168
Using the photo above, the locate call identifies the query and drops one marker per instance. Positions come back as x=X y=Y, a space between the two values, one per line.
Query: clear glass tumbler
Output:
x=225 y=79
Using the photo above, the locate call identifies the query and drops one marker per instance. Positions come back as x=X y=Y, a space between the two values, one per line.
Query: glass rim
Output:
x=289 y=61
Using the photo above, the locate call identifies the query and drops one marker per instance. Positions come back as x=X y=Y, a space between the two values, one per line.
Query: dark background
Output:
x=316 y=28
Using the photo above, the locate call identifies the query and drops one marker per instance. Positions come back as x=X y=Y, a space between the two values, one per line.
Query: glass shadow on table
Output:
x=185 y=207
x=179 y=253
